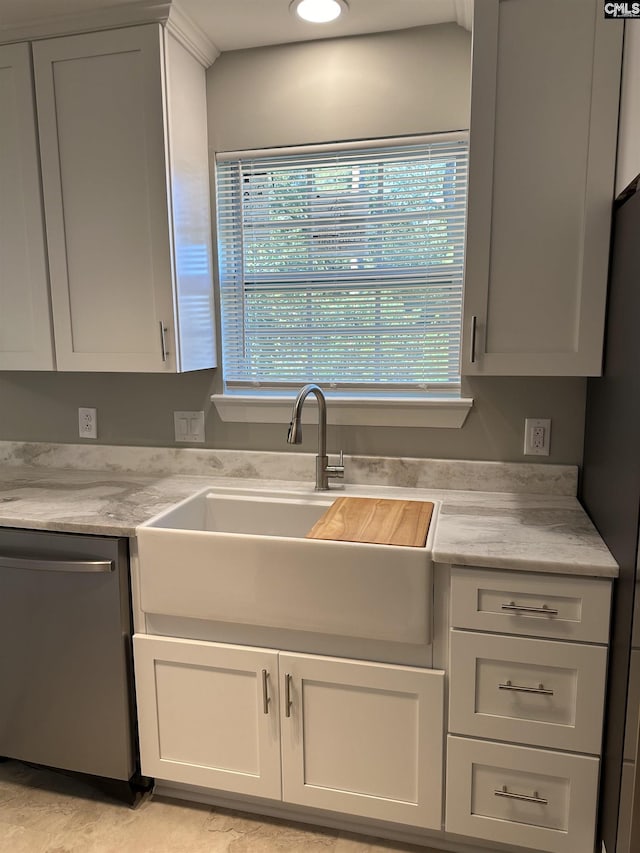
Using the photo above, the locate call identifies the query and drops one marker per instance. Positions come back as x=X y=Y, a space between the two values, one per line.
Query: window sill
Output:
x=346 y=411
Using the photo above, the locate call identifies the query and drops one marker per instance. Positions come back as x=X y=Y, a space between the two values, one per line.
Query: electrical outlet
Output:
x=88 y=423
x=189 y=426
x=537 y=436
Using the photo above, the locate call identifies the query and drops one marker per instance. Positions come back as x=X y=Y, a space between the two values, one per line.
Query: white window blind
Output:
x=343 y=266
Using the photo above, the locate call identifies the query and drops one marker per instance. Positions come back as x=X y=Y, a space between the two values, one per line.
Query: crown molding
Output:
x=165 y=12
x=464 y=13
x=144 y=12
x=190 y=36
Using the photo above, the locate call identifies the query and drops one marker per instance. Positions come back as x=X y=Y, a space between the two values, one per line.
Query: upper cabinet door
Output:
x=190 y=207
x=25 y=326
x=101 y=116
x=544 y=107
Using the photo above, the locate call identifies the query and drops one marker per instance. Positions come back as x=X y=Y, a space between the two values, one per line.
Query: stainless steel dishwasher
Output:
x=66 y=699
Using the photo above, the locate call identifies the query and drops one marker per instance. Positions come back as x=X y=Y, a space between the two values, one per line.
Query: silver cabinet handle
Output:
x=265 y=691
x=163 y=341
x=535 y=799
x=43 y=564
x=287 y=695
x=474 y=331
x=540 y=689
x=517 y=608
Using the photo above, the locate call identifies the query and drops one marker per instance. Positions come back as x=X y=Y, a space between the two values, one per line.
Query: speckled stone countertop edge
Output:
x=527 y=532
x=605 y=568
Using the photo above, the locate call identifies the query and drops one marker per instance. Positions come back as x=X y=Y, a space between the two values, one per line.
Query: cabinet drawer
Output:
x=538 y=692
x=535 y=604
x=547 y=803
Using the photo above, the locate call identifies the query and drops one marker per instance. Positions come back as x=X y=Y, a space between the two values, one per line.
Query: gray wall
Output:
x=138 y=409
x=363 y=87
x=413 y=81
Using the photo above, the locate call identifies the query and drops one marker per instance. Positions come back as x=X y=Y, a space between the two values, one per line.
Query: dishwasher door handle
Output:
x=45 y=564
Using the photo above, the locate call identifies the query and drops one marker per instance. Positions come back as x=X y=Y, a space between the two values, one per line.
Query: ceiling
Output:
x=235 y=24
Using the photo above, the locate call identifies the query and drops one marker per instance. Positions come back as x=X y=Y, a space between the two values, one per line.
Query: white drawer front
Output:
x=537 y=605
x=516 y=795
x=538 y=692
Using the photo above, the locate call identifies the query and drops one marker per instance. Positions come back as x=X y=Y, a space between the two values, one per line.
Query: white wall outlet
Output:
x=88 y=423
x=189 y=426
x=537 y=436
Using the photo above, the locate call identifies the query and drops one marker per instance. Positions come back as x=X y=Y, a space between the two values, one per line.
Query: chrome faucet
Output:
x=323 y=470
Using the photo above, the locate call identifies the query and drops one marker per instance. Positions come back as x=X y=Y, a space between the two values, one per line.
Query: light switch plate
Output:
x=189 y=426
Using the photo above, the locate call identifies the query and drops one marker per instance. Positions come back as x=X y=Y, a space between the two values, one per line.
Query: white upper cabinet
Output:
x=628 y=166
x=25 y=323
x=126 y=198
x=544 y=107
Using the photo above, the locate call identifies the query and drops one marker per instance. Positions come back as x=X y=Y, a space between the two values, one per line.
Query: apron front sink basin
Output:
x=241 y=556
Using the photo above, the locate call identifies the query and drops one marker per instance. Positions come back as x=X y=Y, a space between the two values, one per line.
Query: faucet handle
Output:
x=336 y=471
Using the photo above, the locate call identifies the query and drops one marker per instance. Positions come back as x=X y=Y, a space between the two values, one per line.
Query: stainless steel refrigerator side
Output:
x=610 y=484
x=629 y=815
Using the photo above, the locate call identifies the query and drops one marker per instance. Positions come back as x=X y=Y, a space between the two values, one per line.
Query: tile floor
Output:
x=46 y=812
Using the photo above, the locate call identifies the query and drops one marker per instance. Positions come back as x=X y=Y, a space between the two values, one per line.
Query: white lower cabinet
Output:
x=527 y=673
x=517 y=795
x=535 y=698
x=353 y=737
x=208 y=714
x=363 y=738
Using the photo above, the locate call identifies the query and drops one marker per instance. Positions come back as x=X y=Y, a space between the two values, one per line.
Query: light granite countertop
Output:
x=501 y=529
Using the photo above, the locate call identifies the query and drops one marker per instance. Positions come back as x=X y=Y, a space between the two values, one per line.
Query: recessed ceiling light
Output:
x=319 y=11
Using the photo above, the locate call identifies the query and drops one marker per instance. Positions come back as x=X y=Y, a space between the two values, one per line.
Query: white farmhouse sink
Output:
x=247 y=512
x=241 y=556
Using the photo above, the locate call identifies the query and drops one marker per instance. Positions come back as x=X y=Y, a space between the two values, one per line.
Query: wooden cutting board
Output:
x=377 y=521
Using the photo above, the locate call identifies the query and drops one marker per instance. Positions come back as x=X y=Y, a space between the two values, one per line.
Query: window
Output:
x=344 y=266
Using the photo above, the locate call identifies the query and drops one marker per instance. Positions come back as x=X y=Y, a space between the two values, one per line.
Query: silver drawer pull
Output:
x=524 y=797
x=265 y=691
x=540 y=689
x=518 y=608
